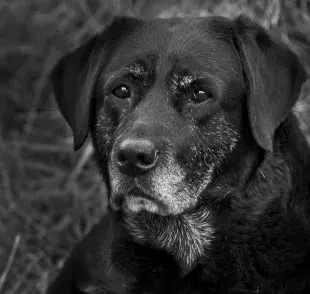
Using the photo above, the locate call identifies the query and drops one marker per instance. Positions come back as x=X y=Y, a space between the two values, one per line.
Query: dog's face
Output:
x=169 y=106
x=168 y=101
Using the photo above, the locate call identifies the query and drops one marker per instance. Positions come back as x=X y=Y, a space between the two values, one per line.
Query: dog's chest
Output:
x=133 y=268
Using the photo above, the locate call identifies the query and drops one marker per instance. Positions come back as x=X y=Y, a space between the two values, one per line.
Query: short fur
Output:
x=212 y=195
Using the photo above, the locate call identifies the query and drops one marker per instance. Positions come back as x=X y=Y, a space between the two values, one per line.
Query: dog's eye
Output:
x=200 y=95
x=121 y=92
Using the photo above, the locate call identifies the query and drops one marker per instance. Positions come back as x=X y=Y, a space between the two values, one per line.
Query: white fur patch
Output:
x=187 y=236
x=194 y=237
x=115 y=180
x=183 y=81
x=207 y=178
x=168 y=185
x=137 y=69
x=136 y=204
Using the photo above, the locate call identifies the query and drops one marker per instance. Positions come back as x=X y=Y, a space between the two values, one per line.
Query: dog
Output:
x=206 y=167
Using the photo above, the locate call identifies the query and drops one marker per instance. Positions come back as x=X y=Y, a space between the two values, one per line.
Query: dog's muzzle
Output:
x=145 y=176
x=134 y=158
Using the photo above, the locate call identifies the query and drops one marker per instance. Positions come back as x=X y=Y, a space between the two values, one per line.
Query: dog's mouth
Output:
x=140 y=193
x=137 y=200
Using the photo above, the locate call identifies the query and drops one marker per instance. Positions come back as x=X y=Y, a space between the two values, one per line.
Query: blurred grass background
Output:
x=49 y=196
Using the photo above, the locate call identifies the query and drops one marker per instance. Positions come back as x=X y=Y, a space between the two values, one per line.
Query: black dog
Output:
x=208 y=172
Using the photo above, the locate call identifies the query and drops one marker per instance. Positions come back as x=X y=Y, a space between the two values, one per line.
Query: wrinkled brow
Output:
x=136 y=70
x=183 y=80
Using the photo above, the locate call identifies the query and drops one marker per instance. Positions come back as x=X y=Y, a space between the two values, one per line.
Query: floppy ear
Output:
x=74 y=76
x=73 y=80
x=274 y=78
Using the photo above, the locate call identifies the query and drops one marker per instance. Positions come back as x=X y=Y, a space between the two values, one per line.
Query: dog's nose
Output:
x=136 y=156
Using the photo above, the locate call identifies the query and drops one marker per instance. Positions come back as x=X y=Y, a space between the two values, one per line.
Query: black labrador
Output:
x=206 y=167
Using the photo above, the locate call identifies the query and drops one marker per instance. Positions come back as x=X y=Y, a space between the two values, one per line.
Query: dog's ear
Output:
x=73 y=80
x=274 y=78
x=74 y=76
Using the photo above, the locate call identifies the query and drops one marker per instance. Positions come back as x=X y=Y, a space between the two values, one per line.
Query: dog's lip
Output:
x=133 y=196
x=117 y=200
x=137 y=192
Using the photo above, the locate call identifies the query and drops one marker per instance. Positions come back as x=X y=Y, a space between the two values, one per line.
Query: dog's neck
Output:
x=185 y=237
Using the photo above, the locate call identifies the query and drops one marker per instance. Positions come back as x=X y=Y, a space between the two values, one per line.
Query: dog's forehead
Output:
x=194 y=44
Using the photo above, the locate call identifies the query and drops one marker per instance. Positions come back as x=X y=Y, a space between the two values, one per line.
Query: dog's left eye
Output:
x=200 y=95
x=122 y=92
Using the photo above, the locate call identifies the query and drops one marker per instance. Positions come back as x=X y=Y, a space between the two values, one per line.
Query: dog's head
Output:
x=170 y=101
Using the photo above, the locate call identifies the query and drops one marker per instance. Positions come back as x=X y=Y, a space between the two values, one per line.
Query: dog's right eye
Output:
x=121 y=92
x=200 y=95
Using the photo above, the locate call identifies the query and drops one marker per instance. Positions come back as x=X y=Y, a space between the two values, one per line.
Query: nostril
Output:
x=147 y=158
x=121 y=158
x=141 y=158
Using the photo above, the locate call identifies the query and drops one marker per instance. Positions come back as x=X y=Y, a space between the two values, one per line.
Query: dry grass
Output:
x=49 y=196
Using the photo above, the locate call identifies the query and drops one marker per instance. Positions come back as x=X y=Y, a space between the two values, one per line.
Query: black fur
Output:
x=206 y=167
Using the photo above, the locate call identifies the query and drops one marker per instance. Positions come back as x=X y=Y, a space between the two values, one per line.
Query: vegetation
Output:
x=49 y=196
